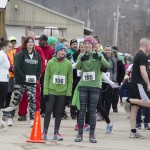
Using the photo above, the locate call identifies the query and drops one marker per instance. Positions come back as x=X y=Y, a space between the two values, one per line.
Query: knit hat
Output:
x=115 y=48
x=43 y=37
x=73 y=41
x=52 y=40
x=59 y=47
x=89 y=39
x=12 y=39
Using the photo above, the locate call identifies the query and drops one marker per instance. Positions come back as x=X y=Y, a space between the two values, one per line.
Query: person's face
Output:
x=81 y=49
x=87 y=46
x=42 y=43
x=13 y=44
x=30 y=44
x=66 y=44
x=61 y=53
x=148 y=48
x=7 y=48
x=107 y=50
x=74 y=46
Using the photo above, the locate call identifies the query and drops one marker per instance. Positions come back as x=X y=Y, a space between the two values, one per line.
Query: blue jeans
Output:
x=146 y=112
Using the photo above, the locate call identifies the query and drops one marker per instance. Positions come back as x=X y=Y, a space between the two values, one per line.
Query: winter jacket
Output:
x=58 y=77
x=25 y=66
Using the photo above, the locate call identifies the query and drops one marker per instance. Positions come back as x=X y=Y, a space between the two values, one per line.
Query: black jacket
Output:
x=24 y=65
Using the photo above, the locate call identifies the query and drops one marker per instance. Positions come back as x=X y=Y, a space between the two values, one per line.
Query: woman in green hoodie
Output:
x=89 y=85
x=57 y=87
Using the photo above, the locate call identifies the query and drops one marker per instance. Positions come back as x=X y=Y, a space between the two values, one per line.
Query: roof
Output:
x=52 y=11
x=3 y=4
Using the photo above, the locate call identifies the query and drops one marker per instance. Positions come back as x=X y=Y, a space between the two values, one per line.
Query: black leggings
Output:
x=3 y=93
x=59 y=102
x=102 y=111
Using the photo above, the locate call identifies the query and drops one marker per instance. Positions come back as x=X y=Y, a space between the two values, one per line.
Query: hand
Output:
x=68 y=56
x=46 y=97
x=68 y=100
x=148 y=88
x=95 y=55
x=85 y=57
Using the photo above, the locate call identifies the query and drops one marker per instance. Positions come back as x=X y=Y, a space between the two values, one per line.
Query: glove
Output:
x=68 y=56
x=46 y=97
x=95 y=55
x=68 y=100
x=85 y=57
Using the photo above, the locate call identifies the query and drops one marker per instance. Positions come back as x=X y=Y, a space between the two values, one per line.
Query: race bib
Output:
x=30 y=79
x=108 y=74
x=79 y=72
x=59 y=79
x=88 y=76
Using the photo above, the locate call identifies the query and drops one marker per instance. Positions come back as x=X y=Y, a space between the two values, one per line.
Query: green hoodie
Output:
x=91 y=66
x=55 y=85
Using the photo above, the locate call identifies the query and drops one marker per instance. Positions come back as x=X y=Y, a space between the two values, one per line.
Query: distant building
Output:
x=24 y=15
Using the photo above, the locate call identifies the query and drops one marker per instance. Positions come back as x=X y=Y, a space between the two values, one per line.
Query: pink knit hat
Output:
x=89 y=39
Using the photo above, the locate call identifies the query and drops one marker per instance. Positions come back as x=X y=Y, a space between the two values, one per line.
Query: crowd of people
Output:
x=85 y=76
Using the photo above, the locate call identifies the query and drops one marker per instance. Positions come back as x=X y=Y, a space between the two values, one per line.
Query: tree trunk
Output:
x=2 y=23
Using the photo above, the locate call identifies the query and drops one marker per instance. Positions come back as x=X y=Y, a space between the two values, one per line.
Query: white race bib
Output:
x=88 y=76
x=59 y=79
x=108 y=74
x=30 y=79
x=79 y=72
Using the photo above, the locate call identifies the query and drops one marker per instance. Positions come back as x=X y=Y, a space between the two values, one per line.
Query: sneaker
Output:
x=115 y=110
x=31 y=123
x=109 y=128
x=22 y=118
x=10 y=122
x=78 y=138
x=57 y=137
x=5 y=114
x=138 y=126
x=87 y=128
x=136 y=135
x=146 y=126
x=76 y=128
x=92 y=139
x=44 y=136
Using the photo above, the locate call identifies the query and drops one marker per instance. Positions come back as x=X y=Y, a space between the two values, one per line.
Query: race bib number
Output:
x=108 y=74
x=59 y=79
x=30 y=79
x=79 y=72
x=88 y=76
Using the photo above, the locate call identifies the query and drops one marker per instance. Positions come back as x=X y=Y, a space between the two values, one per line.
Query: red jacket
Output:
x=40 y=51
x=48 y=53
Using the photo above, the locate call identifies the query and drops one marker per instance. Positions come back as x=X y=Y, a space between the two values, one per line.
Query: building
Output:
x=24 y=15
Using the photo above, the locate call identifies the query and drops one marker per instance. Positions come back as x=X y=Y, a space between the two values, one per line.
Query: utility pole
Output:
x=116 y=24
x=88 y=19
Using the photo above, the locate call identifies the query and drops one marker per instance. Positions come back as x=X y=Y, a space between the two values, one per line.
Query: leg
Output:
x=49 y=110
x=37 y=97
x=83 y=96
x=31 y=91
x=18 y=92
x=133 y=114
x=60 y=103
x=3 y=93
x=115 y=99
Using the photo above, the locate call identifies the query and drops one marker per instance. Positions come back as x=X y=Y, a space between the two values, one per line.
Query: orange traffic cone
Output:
x=35 y=136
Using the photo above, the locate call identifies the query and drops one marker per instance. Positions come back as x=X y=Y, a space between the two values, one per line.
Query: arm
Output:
x=38 y=68
x=18 y=60
x=144 y=74
x=69 y=81
x=47 y=78
x=103 y=61
x=79 y=62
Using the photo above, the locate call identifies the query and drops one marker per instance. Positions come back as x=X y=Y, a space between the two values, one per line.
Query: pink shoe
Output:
x=76 y=127
x=85 y=126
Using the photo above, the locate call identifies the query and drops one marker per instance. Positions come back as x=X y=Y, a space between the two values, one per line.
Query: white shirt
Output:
x=4 y=67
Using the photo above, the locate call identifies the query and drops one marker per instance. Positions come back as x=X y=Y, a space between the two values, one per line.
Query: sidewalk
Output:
x=16 y=136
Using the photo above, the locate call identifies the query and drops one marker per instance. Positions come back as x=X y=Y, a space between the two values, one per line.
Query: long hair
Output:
x=3 y=43
x=24 y=45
